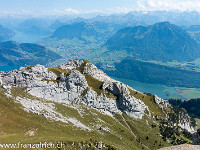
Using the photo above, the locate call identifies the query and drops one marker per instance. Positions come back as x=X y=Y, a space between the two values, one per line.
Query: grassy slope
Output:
x=148 y=100
x=198 y=122
x=15 y=122
x=124 y=132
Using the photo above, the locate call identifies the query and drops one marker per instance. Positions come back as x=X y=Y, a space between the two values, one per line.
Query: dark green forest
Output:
x=156 y=74
x=192 y=106
x=16 y=54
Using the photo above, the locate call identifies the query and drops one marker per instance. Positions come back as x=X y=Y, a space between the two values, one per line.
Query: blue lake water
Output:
x=8 y=68
x=26 y=37
x=155 y=89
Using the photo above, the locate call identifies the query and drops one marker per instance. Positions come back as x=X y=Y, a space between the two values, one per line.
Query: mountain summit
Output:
x=75 y=30
x=161 y=41
x=81 y=105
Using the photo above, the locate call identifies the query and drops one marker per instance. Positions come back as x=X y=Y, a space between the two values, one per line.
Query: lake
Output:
x=155 y=89
x=8 y=68
x=26 y=37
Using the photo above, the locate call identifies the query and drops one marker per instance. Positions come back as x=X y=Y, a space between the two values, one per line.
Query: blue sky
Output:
x=61 y=4
x=50 y=5
x=63 y=7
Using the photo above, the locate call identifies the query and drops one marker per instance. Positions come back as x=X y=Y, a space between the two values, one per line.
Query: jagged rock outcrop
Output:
x=81 y=81
x=75 y=81
x=87 y=68
x=184 y=120
x=196 y=138
x=76 y=99
x=161 y=103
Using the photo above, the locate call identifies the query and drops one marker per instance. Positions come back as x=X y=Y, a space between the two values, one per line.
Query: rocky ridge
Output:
x=196 y=138
x=79 y=82
x=195 y=146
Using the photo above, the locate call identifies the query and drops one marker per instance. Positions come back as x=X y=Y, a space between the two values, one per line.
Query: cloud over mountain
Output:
x=181 y=5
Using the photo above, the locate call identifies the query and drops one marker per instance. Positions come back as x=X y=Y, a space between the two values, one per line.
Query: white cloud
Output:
x=56 y=12
x=92 y=11
x=119 y=10
x=70 y=11
x=16 y=13
x=67 y=11
x=182 y=5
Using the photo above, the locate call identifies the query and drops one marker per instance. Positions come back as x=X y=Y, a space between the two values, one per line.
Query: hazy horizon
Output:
x=39 y=8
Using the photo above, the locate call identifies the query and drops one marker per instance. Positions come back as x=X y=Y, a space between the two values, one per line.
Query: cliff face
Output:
x=81 y=81
x=81 y=86
x=77 y=81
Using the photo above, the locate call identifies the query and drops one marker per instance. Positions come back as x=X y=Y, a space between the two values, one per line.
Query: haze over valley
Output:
x=105 y=75
x=108 y=40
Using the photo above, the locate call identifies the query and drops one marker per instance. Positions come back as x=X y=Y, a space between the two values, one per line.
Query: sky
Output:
x=66 y=7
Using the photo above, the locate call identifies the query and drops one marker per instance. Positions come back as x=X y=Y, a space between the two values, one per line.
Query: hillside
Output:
x=81 y=106
x=85 y=30
x=192 y=106
x=156 y=74
x=80 y=40
x=5 y=33
x=75 y=30
x=18 y=54
x=161 y=41
x=39 y=26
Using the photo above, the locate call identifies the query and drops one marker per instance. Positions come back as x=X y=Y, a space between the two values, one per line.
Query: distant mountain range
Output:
x=82 y=30
x=194 y=31
x=35 y=26
x=5 y=33
x=185 y=18
x=74 y=31
x=161 y=41
x=192 y=28
x=16 y=54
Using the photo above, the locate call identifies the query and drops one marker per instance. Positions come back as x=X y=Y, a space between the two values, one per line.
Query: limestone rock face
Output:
x=184 y=120
x=76 y=82
x=72 y=64
x=196 y=138
x=161 y=103
x=125 y=101
x=80 y=82
x=73 y=87
x=87 y=68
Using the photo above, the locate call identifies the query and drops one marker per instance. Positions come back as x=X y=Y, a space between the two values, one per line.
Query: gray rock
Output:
x=76 y=82
x=100 y=145
x=42 y=83
x=72 y=64
x=196 y=138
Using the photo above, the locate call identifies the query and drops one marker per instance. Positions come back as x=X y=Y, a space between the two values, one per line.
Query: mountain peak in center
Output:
x=161 y=41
